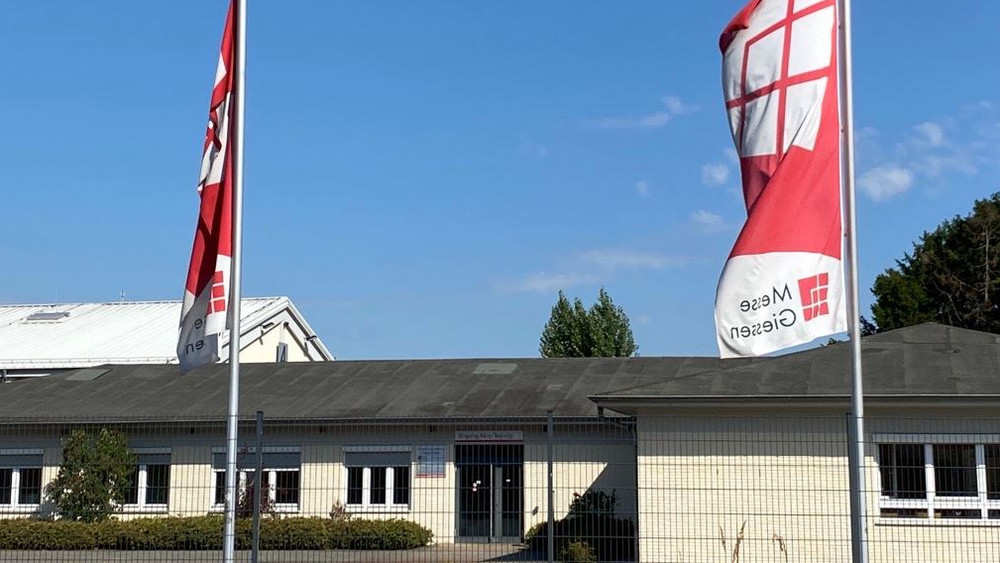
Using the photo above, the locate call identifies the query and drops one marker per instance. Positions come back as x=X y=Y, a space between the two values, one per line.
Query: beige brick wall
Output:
x=577 y=468
x=702 y=477
x=583 y=460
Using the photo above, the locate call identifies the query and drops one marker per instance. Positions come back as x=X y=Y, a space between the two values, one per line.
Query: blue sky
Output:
x=422 y=177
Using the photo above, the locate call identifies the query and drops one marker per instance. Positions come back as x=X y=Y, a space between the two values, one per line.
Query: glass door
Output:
x=490 y=492
x=475 y=501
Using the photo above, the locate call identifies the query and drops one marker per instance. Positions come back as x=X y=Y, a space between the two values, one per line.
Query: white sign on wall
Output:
x=430 y=462
x=489 y=436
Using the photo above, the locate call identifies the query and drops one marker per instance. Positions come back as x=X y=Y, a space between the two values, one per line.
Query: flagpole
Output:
x=859 y=540
x=239 y=64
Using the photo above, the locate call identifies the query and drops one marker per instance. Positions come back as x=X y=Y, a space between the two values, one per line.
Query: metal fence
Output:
x=652 y=488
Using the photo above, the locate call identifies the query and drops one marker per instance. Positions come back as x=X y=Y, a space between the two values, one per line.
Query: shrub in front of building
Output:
x=592 y=523
x=379 y=534
x=27 y=534
x=577 y=552
x=205 y=533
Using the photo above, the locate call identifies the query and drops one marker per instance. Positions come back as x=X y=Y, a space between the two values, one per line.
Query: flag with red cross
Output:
x=204 y=311
x=783 y=283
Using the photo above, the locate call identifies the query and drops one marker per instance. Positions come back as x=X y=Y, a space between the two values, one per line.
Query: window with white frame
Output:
x=377 y=476
x=150 y=480
x=949 y=480
x=280 y=475
x=20 y=478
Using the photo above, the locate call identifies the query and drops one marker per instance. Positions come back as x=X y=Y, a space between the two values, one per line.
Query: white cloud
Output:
x=714 y=174
x=543 y=282
x=642 y=188
x=931 y=132
x=886 y=181
x=933 y=165
x=708 y=222
x=674 y=107
x=592 y=267
x=531 y=148
x=934 y=152
x=628 y=259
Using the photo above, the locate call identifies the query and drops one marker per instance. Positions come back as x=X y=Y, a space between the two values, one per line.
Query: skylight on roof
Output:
x=47 y=316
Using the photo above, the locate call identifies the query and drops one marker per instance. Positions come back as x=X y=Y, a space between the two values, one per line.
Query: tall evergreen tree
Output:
x=575 y=332
x=952 y=275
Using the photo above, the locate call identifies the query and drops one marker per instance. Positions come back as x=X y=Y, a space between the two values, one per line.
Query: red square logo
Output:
x=813 y=291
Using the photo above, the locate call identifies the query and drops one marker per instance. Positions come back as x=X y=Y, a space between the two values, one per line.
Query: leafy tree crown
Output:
x=952 y=276
x=95 y=475
x=573 y=331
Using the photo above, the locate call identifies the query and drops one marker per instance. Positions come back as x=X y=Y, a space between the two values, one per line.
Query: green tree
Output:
x=572 y=331
x=95 y=475
x=952 y=276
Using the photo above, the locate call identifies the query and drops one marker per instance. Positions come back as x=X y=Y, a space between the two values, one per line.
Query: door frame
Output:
x=496 y=502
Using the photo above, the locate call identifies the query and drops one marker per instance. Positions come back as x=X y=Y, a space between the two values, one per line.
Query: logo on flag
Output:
x=813 y=292
x=780 y=86
x=206 y=293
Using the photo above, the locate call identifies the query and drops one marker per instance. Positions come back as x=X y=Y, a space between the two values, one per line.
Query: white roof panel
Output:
x=134 y=332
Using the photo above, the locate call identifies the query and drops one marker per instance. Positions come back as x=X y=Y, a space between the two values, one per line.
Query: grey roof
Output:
x=341 y=389
x=927 y=360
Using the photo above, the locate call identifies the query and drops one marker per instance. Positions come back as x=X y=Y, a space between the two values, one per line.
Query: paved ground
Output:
x=446 y=553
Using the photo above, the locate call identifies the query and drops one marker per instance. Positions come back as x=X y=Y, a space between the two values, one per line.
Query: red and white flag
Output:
x=783 y=283
x=204 y=313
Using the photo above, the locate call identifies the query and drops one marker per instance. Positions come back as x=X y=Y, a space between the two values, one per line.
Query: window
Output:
x=21 y=479
x=150 y=480
x=955 y=470
x=940 y=481
x=378 y=477
x=902 y=470
x=280 y=476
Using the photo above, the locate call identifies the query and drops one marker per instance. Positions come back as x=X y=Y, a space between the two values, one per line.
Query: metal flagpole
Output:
x=239 y=66
x=859 y=540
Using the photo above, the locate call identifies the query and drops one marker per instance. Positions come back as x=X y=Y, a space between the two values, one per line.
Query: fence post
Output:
x=852 y=461
x=258 y=485
x=550 y=430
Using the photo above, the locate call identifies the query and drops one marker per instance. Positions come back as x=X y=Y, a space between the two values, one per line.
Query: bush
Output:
x=205 y=533
x=295 y=533
x=379 y=534
x=46 y=535
x=94 y=477
x=611 y=539
x=194 y=533
x=577 y=552
x=591 y=522
x=244 y=505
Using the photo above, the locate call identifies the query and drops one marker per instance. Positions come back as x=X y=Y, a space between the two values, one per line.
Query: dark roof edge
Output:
x=616 y=402
x=312 y=420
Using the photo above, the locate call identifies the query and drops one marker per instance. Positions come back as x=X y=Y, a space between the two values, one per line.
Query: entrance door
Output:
x=490 y=492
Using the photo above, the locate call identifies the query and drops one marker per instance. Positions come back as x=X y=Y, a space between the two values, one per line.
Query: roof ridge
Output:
x=138 y=302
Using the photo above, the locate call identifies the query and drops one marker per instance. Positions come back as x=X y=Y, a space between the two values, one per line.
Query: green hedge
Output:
x=205 y=533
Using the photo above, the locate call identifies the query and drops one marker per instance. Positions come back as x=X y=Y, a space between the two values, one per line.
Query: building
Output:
x=460 y=446
x=765 y=443
x=44 y=339
x=693 y=449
